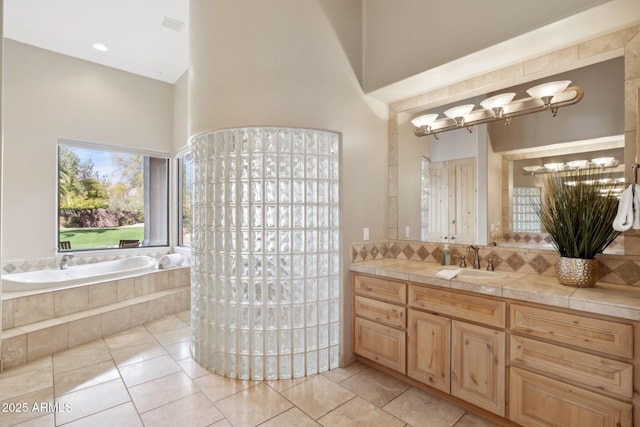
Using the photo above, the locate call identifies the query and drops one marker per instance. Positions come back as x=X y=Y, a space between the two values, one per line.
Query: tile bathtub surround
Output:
x=614 y=269
x=138 y=378
x=41 y=336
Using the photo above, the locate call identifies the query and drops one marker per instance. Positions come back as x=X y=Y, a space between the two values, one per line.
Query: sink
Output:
x=473 y=274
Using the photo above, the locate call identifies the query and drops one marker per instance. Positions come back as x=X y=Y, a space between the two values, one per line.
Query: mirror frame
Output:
x=625 y=42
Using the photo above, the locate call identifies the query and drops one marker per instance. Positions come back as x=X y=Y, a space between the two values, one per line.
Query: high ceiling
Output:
x=139 y=43
x=131 y=29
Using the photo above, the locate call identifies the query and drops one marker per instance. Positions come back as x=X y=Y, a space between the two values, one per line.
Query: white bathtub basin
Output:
x=76 y=275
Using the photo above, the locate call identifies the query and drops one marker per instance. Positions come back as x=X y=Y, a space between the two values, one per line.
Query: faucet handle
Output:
x=463 y=263
x=490 y=264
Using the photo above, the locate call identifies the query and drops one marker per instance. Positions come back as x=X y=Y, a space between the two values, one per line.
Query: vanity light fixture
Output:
x=554 y=166
x=548 y=96
x=603 y=161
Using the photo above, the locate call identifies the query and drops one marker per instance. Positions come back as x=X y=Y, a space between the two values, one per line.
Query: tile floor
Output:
x=145 y=376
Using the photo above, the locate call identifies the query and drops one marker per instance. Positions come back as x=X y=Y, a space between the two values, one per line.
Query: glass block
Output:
x=334 y=333
x=311 y=241
x=284 y=190
x=243 y=367
x=323 y=264
x=298 y=340
x=271 y=165
x=271 y=241
x=298 y=365
x=284 y=166
x=284 y=367
x=298 y=191
x=257 y=342
x=312 y=220
x=284 y=239
x=271 y=216
x=311 y=339
x=311 y=289
x=334 y=310
x=284 y=267
x=298 y=166
x=334 y=357
x=323 y=336
x=271 y=368
x=312 y=363
x=272 y=294
x=323 y=312
x=298 y=316
x=270 y=191
x=298 y=216
x=285 y=342
x=271 y=342
x=298 y=290
x=297 y=262
x=284 y=318
x=257 y=368
x=244 y=342
x=256 y=191
x=312 y=314
x=323 y=360
x=323 y=167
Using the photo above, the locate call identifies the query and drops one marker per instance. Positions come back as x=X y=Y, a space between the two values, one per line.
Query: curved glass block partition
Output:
x=266 y=252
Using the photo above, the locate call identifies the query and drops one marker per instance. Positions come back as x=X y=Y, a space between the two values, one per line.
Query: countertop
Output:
x=608 y=299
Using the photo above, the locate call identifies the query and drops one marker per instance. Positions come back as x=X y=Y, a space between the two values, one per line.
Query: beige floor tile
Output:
x=153 y=394
x=222 y=423
x=147 y=370
x=340 y=374
x=91 y=400
x=124 y=415
x=81 y=356
x=470 y=420
x=374 y=386
x=192 y=411
x=173 y=336
x=253 y=405
x=23 y=407
x=137 y=353
x=414 y=406
x=317 y=396
x=44 y=421
x=185 y=316
x=359 y=413
x=180 y=350
x=84 y=377
x=280 y=385
x=26 y=382
x=191 y=368
x=217 y=387
x=166 y=323
x=133 y=336
x=42 y=363
x=292 y=417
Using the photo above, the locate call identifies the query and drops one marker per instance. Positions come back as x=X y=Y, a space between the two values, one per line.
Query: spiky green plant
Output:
x=577 y=209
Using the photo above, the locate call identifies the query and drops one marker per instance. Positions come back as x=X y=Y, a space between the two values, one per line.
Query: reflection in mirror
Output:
x=428 y=191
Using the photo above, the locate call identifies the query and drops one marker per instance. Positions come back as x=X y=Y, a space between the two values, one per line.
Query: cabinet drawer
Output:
x=383 y=289
x=381 y=343
x=538 y=401
x=468 y=307
x=591 y=371
x=383 y=312
x=603 y=336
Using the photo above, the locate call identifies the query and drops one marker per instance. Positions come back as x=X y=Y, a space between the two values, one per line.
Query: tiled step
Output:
x=31 y=341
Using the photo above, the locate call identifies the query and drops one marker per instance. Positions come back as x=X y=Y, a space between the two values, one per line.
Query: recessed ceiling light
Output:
x=100 y=47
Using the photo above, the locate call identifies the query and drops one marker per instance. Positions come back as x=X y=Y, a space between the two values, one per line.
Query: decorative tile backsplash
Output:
x=617 y=269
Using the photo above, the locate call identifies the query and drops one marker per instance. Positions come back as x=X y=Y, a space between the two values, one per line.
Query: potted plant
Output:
x=577 y=209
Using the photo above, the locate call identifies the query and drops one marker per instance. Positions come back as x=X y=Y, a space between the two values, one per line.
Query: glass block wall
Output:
x=266 y=252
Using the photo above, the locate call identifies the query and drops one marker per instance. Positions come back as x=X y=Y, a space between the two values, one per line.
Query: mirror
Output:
x=430 y=177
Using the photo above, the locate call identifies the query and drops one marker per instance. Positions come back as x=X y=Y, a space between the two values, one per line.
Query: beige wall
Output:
x=289 y=69
x=48 y=96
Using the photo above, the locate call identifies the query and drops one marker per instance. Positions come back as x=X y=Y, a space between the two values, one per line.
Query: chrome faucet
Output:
x=65 y=260
x=476 y=258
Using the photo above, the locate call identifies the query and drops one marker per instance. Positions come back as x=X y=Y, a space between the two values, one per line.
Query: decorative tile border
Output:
x=617 y=269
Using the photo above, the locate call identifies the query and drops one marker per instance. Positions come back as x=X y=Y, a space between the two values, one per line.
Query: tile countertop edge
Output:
x=618 y=301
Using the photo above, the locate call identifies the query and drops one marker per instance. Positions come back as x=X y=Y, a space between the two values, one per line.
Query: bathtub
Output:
x=78 y=275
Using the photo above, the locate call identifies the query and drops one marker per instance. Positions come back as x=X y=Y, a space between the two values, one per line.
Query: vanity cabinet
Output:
x=532 y=364
x=380 y=322
x=569 y=370
x=451 y=354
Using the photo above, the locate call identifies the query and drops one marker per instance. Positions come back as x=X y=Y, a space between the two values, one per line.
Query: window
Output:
x=184 y=200
x=110 y=197
x=525 y=202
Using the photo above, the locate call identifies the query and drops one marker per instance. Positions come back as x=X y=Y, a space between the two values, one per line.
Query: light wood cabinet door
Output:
x=429 y=349
x=382 y=344
x=539 y=401
x=478 y=366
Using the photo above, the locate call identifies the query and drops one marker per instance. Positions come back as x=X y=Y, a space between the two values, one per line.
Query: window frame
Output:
x=64 y=142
